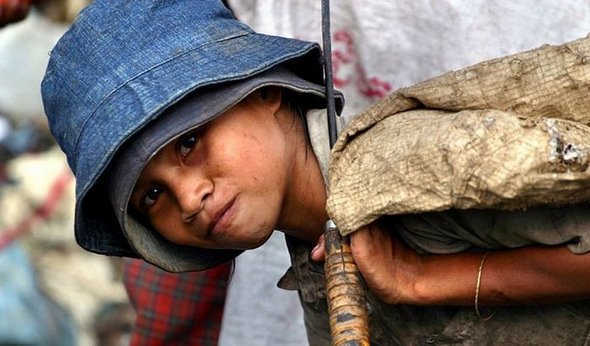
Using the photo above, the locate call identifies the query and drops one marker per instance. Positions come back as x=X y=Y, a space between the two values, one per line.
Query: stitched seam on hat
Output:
x=106 y=97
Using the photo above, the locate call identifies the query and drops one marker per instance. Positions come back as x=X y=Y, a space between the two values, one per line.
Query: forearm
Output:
x=529 y=275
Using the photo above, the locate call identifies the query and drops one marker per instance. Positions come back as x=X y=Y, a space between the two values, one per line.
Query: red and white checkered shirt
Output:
x=175 y=308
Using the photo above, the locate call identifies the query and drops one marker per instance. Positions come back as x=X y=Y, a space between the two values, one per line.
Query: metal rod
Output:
x=326 y=40
x=346 y=296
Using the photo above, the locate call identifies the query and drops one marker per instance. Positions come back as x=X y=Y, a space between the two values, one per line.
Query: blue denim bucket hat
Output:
x=121 y=65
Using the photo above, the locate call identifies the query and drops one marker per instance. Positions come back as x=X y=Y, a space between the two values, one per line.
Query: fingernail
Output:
x=316 y=248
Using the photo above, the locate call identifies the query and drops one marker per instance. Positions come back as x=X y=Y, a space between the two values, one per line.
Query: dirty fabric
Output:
x=474 y=230
x=553 y=324
x=507 y=134
x=453 y=231
x=492 y=156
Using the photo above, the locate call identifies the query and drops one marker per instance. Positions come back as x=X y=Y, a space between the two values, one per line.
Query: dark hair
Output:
x=299 y=104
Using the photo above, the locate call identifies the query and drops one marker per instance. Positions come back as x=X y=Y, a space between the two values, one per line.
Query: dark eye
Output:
x=151 y=196
x=186 y=144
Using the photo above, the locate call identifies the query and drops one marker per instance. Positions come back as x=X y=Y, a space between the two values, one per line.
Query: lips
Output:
x=222 y=218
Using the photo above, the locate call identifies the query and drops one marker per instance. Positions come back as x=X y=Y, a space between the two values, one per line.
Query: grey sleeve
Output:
x=460 y=230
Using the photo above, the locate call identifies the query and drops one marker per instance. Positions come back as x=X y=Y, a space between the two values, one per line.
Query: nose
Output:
x=191 y=191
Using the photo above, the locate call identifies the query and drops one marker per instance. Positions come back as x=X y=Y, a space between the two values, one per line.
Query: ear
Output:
x=270 y=97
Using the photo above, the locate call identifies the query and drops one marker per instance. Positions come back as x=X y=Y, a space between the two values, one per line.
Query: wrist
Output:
x=447 y=280
x=421 y=290
x=416 y=289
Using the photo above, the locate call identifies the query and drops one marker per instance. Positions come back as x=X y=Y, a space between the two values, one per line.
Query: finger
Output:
x=318 y=253
x=362 y=238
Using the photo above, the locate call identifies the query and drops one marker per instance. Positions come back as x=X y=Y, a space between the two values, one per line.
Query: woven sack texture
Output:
x=508 y=133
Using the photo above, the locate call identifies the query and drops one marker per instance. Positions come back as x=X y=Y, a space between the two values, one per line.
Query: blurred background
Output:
x=54 y=293
x=51 y=291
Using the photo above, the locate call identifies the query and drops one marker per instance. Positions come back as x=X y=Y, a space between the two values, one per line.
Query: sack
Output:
x=505 y=134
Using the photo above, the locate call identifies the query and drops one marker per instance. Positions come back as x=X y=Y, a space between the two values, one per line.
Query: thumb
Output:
x=318 y=253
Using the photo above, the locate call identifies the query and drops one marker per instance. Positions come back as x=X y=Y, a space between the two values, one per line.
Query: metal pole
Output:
x=347 y=303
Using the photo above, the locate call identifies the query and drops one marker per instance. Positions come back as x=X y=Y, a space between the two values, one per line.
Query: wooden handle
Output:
x=347 y=304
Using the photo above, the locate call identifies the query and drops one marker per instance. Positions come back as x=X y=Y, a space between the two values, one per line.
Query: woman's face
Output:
x=223 y=185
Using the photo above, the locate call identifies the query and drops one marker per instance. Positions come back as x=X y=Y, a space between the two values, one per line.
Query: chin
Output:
x=252 y=243
x=240 y=237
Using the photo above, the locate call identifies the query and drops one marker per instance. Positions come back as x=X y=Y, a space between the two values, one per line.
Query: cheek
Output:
x=256 y=165
x=167 y=223
x=265 y=177
x=167 y=229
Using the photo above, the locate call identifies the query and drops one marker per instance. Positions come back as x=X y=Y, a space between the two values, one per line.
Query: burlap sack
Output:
x=507 y=134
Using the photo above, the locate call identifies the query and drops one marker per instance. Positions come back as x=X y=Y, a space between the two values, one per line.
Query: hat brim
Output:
x=190 y=113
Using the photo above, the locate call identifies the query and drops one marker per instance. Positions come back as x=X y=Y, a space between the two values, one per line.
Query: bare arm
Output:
x=529 y=275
